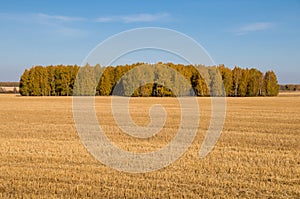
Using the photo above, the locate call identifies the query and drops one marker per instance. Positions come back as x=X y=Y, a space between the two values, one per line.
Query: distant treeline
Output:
x=9 y=84
x=204 y=81
x=9 y=87
x=290 y=87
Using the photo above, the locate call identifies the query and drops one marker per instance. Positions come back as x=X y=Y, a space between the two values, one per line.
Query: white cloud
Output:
x=259 y=26
x=52 y=24
x=143 y=17
x=60 y=18
x=39 y=18
x=58 y=24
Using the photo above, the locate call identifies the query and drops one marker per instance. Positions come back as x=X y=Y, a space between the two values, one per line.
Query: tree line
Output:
x=9 y=87
x=290 y=87
x=9 y=84
x=159 y=80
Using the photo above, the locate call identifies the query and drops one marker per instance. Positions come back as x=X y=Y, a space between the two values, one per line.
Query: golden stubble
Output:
x=257 y=155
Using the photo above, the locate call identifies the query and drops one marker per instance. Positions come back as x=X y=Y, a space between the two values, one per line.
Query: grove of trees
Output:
x=153 y=80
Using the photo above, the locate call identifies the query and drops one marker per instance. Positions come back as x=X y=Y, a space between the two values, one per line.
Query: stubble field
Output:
x=257 y=155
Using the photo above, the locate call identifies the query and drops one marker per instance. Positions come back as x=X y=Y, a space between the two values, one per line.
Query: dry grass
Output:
x=257 y=155
x=289 y=94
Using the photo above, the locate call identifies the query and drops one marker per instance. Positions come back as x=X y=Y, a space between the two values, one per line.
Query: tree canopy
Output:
x=150 y=80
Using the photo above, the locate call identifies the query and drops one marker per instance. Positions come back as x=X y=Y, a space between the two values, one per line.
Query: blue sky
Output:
x=248 y=33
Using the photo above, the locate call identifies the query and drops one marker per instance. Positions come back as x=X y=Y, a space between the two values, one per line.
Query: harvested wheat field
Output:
x=257 y=155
